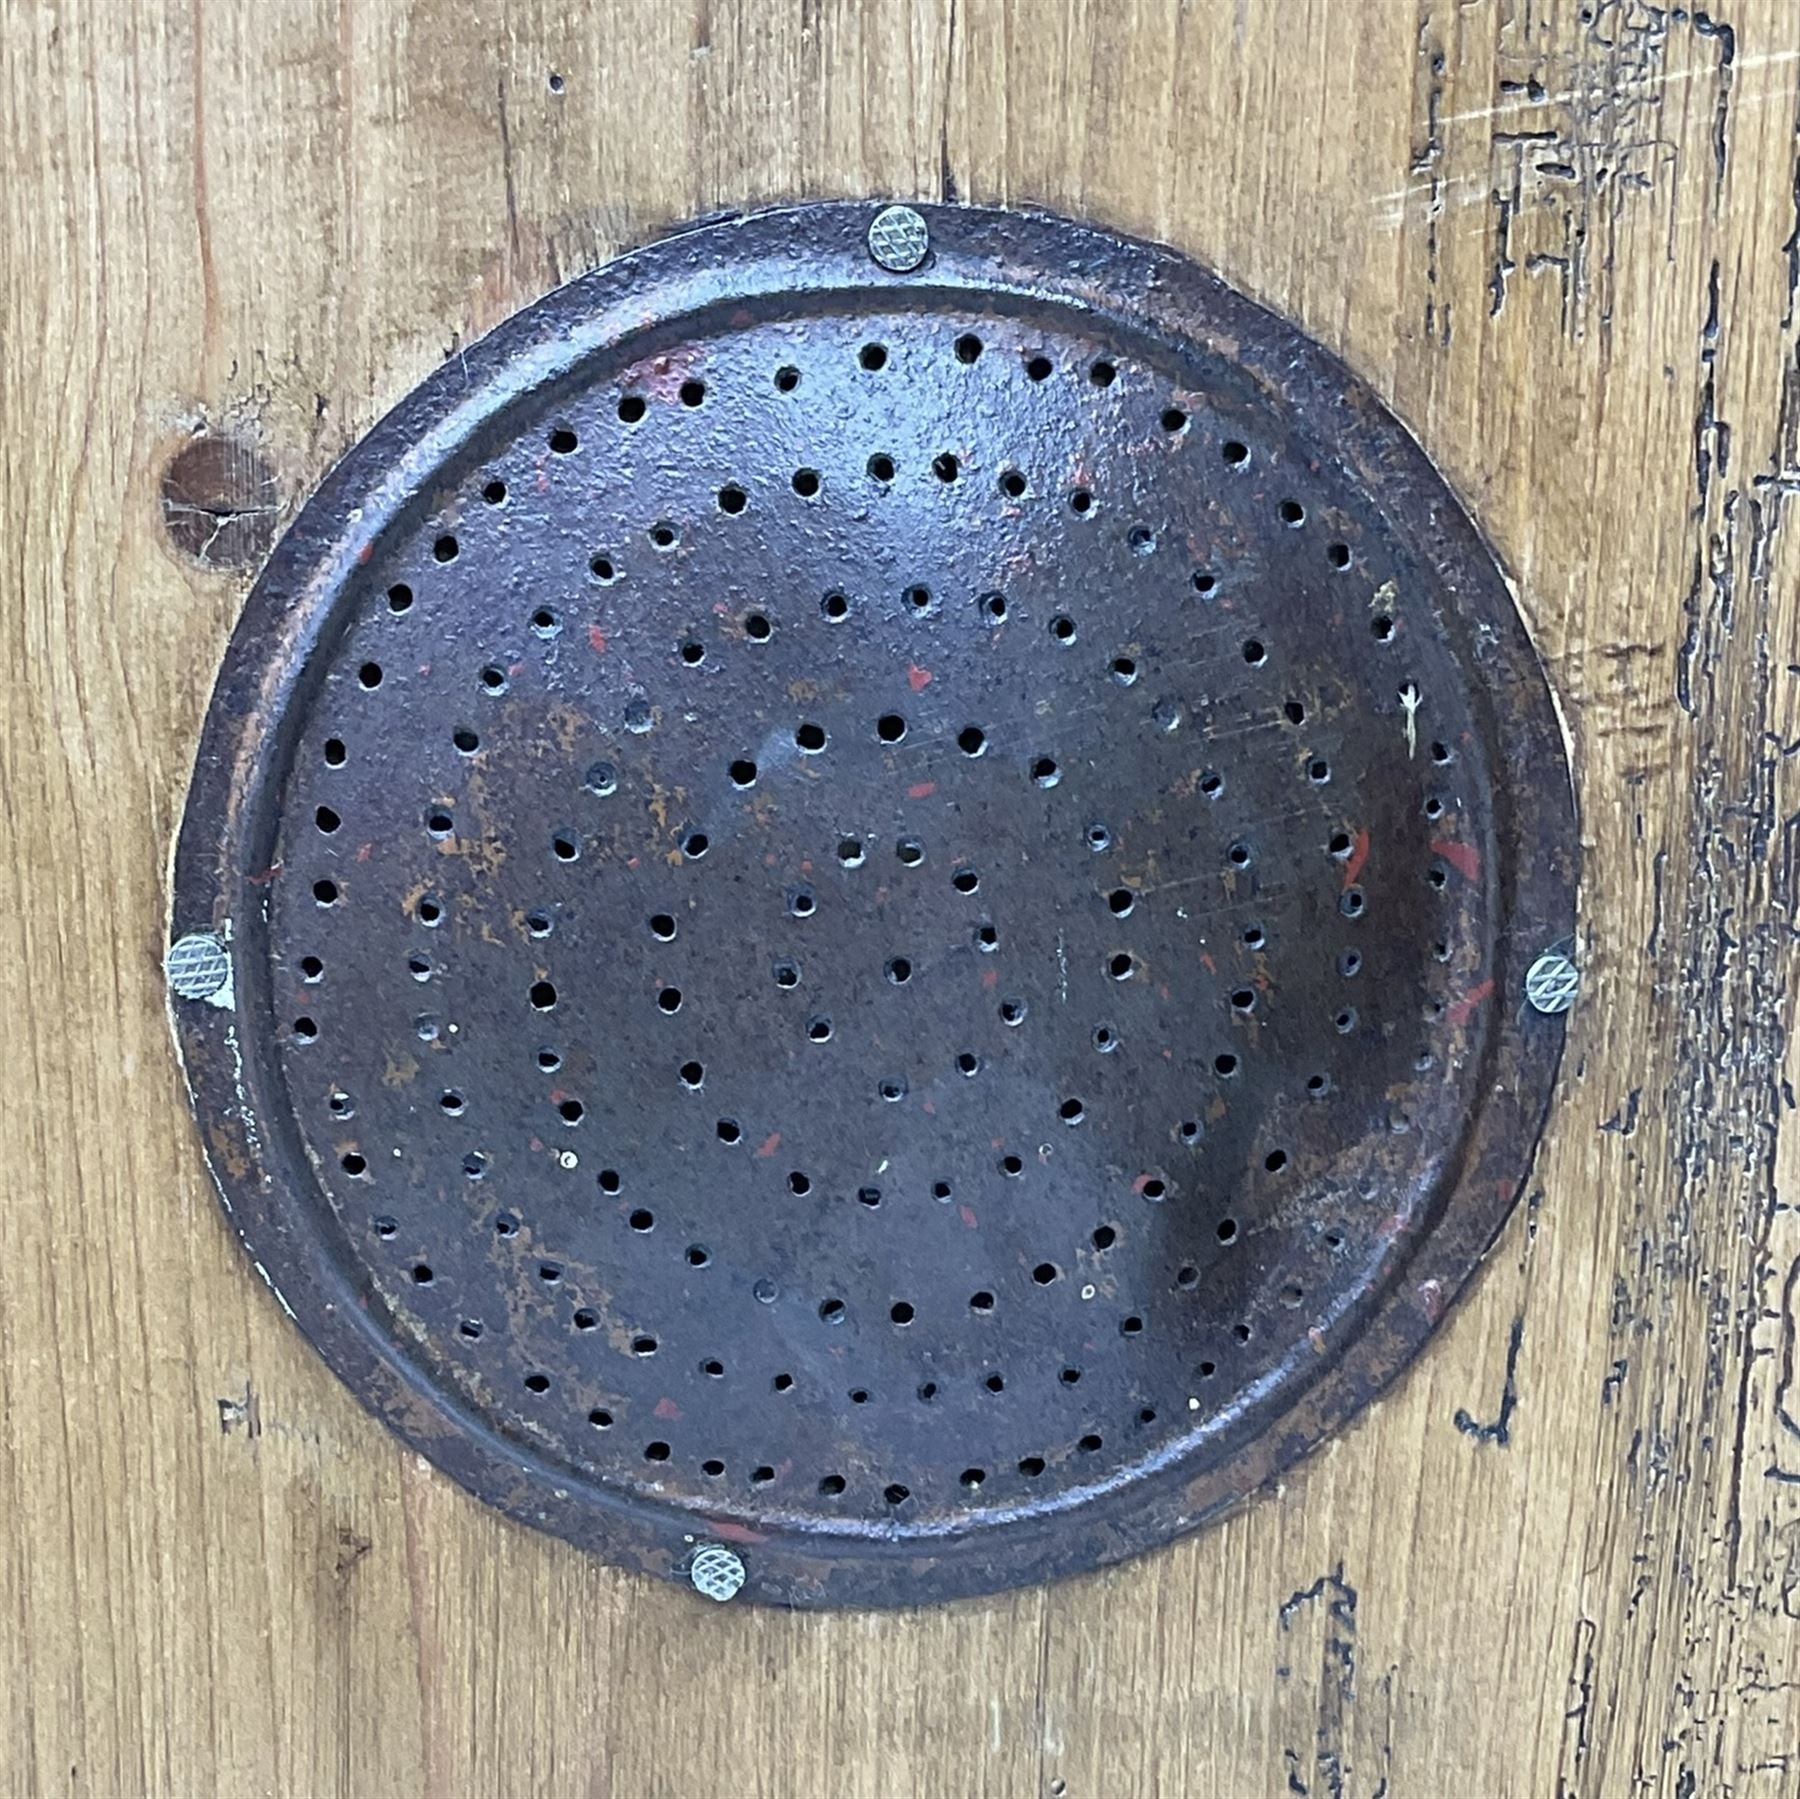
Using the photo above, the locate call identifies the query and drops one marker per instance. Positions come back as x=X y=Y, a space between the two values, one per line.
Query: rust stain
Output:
x=921 y=790
x=596 y=640
x=768 y=1146
x=917 y=678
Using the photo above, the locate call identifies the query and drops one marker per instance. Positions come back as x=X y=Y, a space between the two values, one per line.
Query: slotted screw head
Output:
x=898 y=239
x=197 y=965
x=716 y=1572
x=1552 y=982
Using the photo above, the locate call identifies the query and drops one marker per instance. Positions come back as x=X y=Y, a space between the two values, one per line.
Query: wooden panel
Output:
x=1564 y=1557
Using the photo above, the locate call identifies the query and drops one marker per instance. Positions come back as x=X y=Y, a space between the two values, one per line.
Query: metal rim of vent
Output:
x=1231 y=477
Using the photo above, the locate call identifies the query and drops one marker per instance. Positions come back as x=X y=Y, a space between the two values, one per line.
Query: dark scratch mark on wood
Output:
x=1500 y=1431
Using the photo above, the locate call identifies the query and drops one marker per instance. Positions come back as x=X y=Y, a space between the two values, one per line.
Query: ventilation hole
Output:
x=910 y=852
x=810 y=738
x=966 y=880
x=762 y=1474
x=971 y=1478
x=493 y=678
x=422 y=1275
x=549 y=1060
x=1106 y=1039
x=656 y=1452
x=881 y=468
x=1012 y=1012
x=818 y=1030
x=1352 y=903
x=563 y=441
x=695 y=845
x=898 y=970
x=835 y=607
x=693 y=1075
x=693 y=392
x=1012 y=1166
x=831 y=1485
x=1044 y=771
x=543 y=995
x=757 y=627
x=1038 y=368
x=1081 y=501
x=1105 y=1237
x=1045 y=1273
x=900 y=1312
x=664 y=534
x=940 y=1191
x=1153 y=1186
x=585 y=1320
x=1031 y=1466
x=1318 y=1085
x=1205 y=581
x=1174 y=419
x=334 y=752
x=995 y=1383
x=400 y=596
x=446 y=548
x=1345 y=1022
x=1236 y=455
x=1349 y=963
x=1381 y=627
x=1338 y=555
x=305 y=1030
x=601 y=779
x=1131 y=1327
x=1099 y=838
x=1062 y=628
x=982 y=1301
x=1121 y=966
x=369 y=674
x=631 y=408
x=892 y=1090
x=1227 y=1230
x=325 y=893
x=1291 y=512
x=787 y=974
x=1187 y=1277
x=1318 y=771
x=987 y=938
x=733 y=499
x=832 y=1311
x=729 y=1130
x=602 y=569
x=851 y=852
x=641 y=1220
x=1243 y=1000
x=1141 y=540
x=1254 y=653
x=782 y=1383
x=968 y=1064
x=787 y=378
x=919 y=599
x=946 y=467
x=1012 y=484
x=1275 y=1160
x=993 y=606
x=806 y=482
x=1071 y=1111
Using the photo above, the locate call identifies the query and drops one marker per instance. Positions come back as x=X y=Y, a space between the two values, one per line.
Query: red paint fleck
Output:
x=990 y=977
x=364 y=851
x=917 y=678
x=735 y=1533
x=968 y=1216
x=1359 y=854
x=1459 y=1012
x=631 y=861
x=1207 y=962
x=536 y=1143
x=596 y=640
x=364 y=554
x=1163 y=990
x=806 y=867
x=996 y=1143
x=930 y=1108
x=768 y=1146
x=667 y=1408
x=1465 y=858
x=1142 y=1181
x=921 y=790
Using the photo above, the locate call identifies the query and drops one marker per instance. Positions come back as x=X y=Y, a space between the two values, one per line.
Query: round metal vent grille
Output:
x=876 y=915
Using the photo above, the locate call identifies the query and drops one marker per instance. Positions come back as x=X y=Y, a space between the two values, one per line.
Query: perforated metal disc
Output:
x=876 y=916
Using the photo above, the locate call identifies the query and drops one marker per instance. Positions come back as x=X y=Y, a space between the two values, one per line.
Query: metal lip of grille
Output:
x=1062 y=824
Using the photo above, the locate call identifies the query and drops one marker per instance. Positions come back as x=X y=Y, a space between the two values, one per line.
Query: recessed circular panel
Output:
x=877 y=917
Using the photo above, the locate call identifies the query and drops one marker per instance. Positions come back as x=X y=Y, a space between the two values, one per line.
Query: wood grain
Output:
x=1562 y=240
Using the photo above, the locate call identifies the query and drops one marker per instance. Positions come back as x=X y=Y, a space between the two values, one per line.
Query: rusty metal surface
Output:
x=878 y=917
